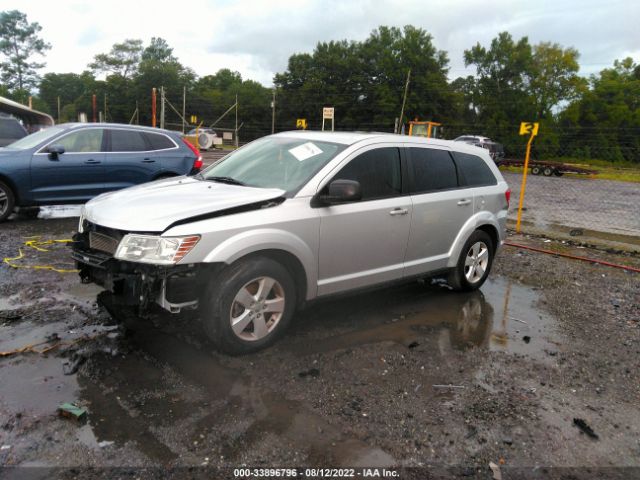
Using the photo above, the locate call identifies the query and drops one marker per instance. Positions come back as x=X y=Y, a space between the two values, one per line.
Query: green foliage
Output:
x=122 y=60
x=19 y=42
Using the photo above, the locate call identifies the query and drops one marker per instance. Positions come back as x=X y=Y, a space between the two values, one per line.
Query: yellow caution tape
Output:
x=37 y=245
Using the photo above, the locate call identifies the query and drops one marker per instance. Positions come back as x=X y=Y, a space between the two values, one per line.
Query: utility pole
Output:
x=404 y=98
x=161 y=107
x=137 y=114
x=58 y=109
x=184 y=105
x=236 y=120
x=95 y=106
x=105 y=107
x=273 y=113
x=153 y=107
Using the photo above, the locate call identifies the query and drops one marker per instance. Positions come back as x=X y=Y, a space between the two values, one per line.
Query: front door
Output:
x=364 y=242
x=74 y=176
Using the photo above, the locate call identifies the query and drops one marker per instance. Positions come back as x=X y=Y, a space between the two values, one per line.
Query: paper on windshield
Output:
x=304 y=151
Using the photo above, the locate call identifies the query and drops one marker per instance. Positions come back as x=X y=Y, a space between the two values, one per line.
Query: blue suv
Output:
x=73 y=162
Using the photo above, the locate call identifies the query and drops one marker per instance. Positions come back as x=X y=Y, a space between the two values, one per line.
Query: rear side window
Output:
x=159 y=142
x=433 y=170
x=127 y=141
x=377 y=171
x=474 y=171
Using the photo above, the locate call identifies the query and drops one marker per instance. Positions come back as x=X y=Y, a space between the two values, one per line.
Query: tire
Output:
x=558 y=173
x=466 y=277
x=547 y=172
x=536 y=170
x=7 y=201
x=223 y=303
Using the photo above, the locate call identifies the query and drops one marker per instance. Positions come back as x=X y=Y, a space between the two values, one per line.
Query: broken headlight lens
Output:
x=154 y=249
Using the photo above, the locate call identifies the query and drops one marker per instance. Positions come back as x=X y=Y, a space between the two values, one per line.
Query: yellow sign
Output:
x=529 y=128
x=194 y=119
x=301 y=123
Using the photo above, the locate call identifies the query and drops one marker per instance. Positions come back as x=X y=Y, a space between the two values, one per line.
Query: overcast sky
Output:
x=257 y=37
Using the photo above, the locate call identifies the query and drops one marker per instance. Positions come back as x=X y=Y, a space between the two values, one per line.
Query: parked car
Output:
x=207 y=138
x=496 y=150
x=293 y=217
x=74 y=162
x=10 y=130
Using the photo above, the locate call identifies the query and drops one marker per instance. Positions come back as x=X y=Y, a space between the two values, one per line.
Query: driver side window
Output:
x=378 y=171
x=83 y=141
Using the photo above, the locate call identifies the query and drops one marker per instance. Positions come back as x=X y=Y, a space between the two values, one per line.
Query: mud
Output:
x=411 y=375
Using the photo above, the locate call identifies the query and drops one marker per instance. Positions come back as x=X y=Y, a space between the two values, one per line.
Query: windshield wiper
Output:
x=229 y=180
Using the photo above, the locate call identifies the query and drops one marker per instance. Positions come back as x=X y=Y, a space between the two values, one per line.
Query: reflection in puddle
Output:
x=501 y=317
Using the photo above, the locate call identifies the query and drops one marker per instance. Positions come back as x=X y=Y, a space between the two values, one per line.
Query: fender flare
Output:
x=246 y=243
x=476 y=221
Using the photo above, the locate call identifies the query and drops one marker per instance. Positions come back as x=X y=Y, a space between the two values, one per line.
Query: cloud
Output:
x=256 y=37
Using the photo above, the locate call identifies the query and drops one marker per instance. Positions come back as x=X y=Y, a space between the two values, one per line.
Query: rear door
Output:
x=130 y=159
x=478 y=179
x=440 y=208
x=73 y=176
x=363 y=243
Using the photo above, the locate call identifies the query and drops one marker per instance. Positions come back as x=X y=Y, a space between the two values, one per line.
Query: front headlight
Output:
x=154 y=249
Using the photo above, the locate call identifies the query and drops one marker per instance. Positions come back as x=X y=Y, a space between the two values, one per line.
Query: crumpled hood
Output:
x=152 y=207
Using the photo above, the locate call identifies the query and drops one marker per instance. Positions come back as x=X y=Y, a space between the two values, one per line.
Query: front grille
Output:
x=102 y=242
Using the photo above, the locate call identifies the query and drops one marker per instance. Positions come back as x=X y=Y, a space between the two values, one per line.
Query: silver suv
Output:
x=292 y=217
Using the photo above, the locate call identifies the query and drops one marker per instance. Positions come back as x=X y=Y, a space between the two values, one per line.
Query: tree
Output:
x=19 y=41
x=123 y=59
x=158 y=51
x=554 y=77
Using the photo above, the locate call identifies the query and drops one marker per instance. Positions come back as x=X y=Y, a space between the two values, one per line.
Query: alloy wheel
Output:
x=476 y=262
x=257 y=308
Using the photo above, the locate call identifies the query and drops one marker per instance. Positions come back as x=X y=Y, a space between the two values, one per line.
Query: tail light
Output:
x=197 y=163
x=507 y=196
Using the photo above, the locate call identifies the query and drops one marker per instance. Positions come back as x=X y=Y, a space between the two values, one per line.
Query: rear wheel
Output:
x=547 y=172
x=7 y=201
x=248 y=306
x=536 y=170
x=558 y=173
x=473 y=264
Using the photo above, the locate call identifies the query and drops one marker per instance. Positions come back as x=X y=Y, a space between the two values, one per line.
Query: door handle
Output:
x=148 y=160
x=92 y=161
x=464 y=201
x=398 y=211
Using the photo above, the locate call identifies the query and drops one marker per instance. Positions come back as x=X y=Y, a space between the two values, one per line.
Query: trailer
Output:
x=541 y=167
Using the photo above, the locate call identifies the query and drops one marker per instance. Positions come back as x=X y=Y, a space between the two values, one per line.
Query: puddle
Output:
x=502 y=316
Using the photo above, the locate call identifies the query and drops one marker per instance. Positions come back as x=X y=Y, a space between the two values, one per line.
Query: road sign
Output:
x=529 y=128
x=327 y=113
x=194 y=119
x=301 y=123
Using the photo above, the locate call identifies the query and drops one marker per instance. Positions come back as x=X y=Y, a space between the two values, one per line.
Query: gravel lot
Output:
x=406 y=376
x=578 y=201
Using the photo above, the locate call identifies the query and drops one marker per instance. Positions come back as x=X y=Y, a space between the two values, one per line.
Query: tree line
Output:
x=365 y=81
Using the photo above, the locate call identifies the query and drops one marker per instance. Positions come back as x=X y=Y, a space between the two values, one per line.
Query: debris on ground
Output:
x=71 y=410
x=495 y=468
x=313 y=372
x=585 y=428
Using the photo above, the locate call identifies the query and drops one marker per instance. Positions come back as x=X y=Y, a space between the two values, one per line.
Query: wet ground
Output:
x=409 y=376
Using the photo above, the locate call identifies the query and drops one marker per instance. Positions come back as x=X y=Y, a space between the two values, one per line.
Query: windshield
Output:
x=274 y=162
x=36 y=138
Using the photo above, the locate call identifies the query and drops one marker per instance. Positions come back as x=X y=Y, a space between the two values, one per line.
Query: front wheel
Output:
x=474 y=263
x=248 y=306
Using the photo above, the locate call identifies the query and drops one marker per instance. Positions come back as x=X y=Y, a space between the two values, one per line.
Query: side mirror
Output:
x=341 y=191
x=55 y=150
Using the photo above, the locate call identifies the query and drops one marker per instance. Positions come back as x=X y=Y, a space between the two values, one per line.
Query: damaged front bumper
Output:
x=136 y=284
